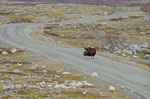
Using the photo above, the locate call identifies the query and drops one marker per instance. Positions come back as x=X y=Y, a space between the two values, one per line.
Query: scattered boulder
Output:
x=1 y=50
x=56 y=86
x=74 y=84
x=144 y=45
x=56 y=76
x=34 y=67
x=42 y=84
x=18 y=86
x=147 y=56
x=16 y=71
x=66 y=73
x=134 y=48
x=112 y=88
x=13 y=50
x=95 y=75
x=85 y=83
x=9 y=86
x=43 y=66
x=4 y=53
x=123 y=87
x=125 y=51
x=84 y=93
x=19 y=64
x=79 y=84
x=124 y=55
x=44 y=71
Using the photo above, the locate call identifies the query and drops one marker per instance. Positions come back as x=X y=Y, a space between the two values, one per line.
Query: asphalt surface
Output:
x=135 y=79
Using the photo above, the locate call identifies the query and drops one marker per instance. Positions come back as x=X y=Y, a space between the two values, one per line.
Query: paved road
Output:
x=134 y=78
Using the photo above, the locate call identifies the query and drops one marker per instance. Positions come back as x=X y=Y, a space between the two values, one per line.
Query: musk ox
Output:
x=89 y=51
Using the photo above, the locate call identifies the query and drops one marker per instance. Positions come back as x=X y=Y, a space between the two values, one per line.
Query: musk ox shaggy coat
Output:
x=89 y=51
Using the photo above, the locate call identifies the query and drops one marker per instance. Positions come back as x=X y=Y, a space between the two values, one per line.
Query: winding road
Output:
x=133 y=78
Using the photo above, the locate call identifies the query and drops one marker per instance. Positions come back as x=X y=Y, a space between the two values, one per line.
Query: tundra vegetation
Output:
x=13 y=12
x=113 y=34
x=26 y=75
x=124 y=36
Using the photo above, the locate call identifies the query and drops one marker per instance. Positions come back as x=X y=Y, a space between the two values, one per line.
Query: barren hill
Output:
x=98 y=2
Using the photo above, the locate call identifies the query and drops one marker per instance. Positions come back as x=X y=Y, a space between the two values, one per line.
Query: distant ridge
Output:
x=97 y=2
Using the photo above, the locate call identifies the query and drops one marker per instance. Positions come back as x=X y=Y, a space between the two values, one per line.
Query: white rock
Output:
x=118 y=51
x=18 y=86
x=66 y=73
x=95 y=75
x=79 y=84
x=101 y=93
x=16 y=71
x=127 y=52
x=123 y=87
x=73 y=84
x=147 y=56
x=7 y=65
x=9 y=86
x=43 y=66
x=49 y=86
x=134 y=56
x=42 y=84
x=56 y=86
x=84 y=93
x=85 y=83
x=112 y=88
x=123 y=54
x=44 y=71
x=132 y=91
x=142 y=33
x=145 y=45
x=13 y=50
x=56 y=76
x=19 y=64
x=4 y=53
x=34 y=67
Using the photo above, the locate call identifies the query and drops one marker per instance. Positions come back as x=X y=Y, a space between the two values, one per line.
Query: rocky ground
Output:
x=18 y=12
x=24 y=74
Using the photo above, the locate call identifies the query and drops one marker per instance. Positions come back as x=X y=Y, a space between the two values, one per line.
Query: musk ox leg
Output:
x=92 y=57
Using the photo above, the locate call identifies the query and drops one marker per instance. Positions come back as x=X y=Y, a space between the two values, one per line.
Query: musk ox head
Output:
x=84 y=52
